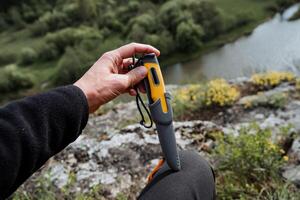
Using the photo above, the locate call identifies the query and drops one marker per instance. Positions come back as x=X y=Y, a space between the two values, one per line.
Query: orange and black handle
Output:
x=161 y=110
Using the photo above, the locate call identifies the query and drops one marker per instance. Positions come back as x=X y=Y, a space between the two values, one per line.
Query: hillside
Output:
x=50 y=43
x=247 y=129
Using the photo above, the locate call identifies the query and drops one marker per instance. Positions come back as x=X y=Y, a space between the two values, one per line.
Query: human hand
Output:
x=109 y=76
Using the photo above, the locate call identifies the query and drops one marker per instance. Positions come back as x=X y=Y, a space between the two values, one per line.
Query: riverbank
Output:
x=258 y=128
x=41 y=73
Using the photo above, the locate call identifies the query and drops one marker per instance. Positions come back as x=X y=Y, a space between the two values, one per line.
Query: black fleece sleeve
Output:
x=34 y=129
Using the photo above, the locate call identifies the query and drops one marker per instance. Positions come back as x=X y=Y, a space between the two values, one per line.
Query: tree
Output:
x=189 y=36
x=86 y=9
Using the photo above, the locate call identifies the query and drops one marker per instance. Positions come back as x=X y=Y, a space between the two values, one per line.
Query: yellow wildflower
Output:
x=285 y=158
x=272 y=78
x=219 y=92
x=282 y=151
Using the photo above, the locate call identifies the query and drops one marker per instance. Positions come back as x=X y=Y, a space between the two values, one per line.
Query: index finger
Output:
x=129 y=50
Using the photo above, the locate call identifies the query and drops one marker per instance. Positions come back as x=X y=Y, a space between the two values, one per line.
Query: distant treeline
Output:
x=76 y=32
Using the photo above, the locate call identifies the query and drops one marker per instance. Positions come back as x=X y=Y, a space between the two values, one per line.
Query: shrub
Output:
x=12 y=80
x=3 y=24
x=38 y=28
x=86 y=9
x=27 y=56
x=206 y=14
x=248 y=165
x=275 y=100
x=220 y=93
x=71 y=66
x=16 y=18
x=216 y=92
x=243 y=18
x=272 y=79
x=163 y=41
x=47 y=51
x=187 y=99
x=169 y=15
x=7 y=58
x=71 y=36
x=188 y=36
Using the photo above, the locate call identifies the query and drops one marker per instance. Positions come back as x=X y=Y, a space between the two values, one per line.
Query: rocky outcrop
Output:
x=119 y=156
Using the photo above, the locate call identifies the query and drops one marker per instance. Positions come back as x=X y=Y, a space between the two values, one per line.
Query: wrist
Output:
x=91 y=96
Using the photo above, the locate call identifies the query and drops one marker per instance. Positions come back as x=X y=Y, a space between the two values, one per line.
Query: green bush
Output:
x=169 y=15
x=3 y=24
x=47 y=52
x=16 y=18
x=27 y=56
x=71 y=66
x=38 y=28
x=12 y=80
x=86 y=9
x=189 y=35
x=243 y=18
x=164 y=42
x=208 y=16
x=7 y=58
x=248 y=165
x=71 y=36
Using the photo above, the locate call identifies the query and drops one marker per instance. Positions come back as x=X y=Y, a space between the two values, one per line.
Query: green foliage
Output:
x=38 y=28
x=16 y=18
x=27 y=56
x=71 y=66
x=216 y=92
x=180 y=29
x=121 y=196
x=86 y=9
x=164 y=42
x=206 y=14
x=275 y=100
x=47 y=51
x=60 y=40
x=248 y=166
x=44 y=189
x=48 y=22
x=7 y=58
x=11 y=80
x=188 y=36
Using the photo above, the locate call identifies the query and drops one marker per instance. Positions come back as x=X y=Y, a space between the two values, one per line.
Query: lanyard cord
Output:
x=139 y=100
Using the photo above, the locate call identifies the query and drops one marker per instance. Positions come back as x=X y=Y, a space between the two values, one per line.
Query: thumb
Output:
x=135 y=76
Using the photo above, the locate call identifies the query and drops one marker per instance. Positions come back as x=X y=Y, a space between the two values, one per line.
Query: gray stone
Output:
x=292 y=173
x=59 y=175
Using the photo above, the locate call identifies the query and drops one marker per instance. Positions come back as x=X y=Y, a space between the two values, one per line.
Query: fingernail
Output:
x=143 y=71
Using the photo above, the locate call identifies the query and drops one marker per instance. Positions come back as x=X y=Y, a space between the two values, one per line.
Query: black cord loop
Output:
x=139 y=100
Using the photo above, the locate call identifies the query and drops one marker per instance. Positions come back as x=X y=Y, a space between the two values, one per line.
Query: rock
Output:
x=59 y=175
x=292 y=173
x=120 y=156
x=259 y=116
x=295 y=150
x=122 y=161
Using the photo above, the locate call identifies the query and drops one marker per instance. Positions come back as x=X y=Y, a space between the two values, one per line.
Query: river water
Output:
x=273 y=45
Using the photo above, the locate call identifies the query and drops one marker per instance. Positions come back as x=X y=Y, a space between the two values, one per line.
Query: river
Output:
x=273 y=45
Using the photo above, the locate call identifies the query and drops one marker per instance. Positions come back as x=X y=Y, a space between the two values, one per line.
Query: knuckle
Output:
x=133 y=44
x=107 y=55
